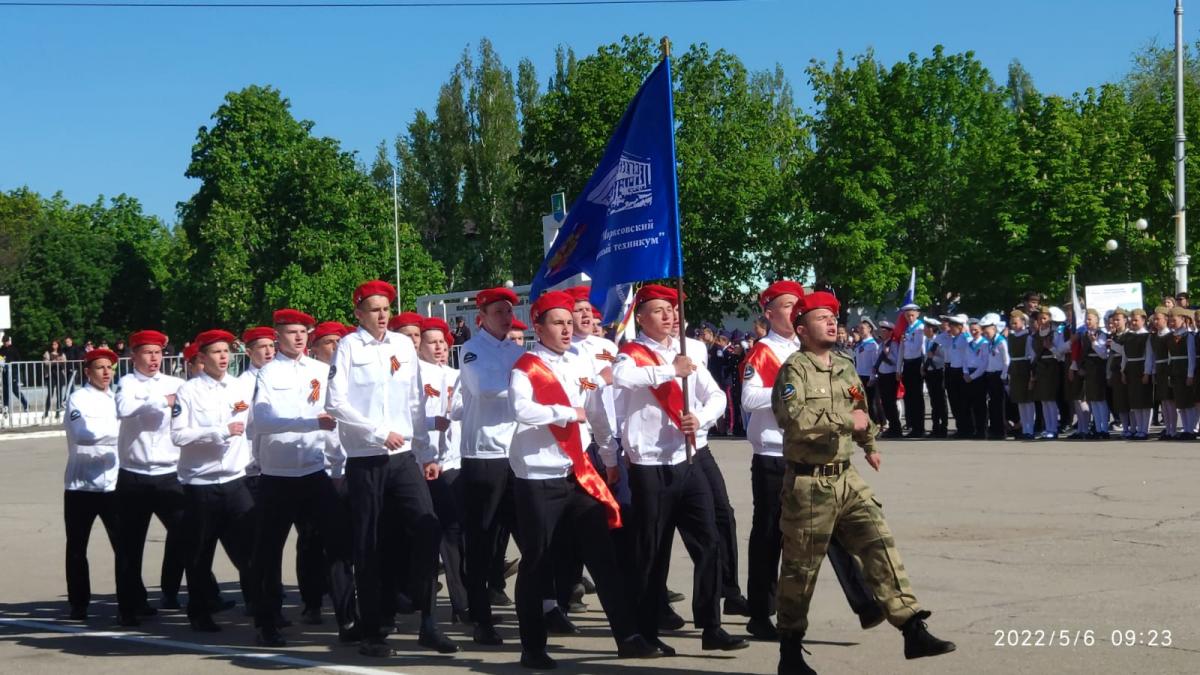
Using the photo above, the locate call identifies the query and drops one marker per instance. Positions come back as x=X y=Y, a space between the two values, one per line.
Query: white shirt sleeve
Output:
x=337 y=402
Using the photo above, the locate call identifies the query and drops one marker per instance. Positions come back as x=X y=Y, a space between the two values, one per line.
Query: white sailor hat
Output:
x=1057 y=314
x=911 y=305
x=990 y=319
x=930 y=321
x=960 y=319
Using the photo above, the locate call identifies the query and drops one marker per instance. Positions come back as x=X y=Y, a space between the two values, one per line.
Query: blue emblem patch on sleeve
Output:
x=176 y=410
x=749 y=372
x=332 y=371
x=75 y=415
x=789 y=392
x=470 y=356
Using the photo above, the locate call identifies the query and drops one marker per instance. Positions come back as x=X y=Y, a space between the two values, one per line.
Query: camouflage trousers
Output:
x=816 y=508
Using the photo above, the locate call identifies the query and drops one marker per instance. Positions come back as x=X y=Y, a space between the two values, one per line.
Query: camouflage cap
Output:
x=1120 y=310
x=1162 y=309
x=1181 y=312
x=1137 y=311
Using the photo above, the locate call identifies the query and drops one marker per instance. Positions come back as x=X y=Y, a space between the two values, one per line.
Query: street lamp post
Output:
x=1181 y=256
x=396 y=232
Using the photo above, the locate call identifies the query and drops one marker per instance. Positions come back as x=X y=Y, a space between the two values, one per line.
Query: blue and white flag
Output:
x=624 y=226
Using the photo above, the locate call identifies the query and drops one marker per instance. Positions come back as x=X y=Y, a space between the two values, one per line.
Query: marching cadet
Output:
x=885 y=379
x=208 y=423
x=819 y=404
x=937 y=348
x=995 y=374
x=517 y=332
x=912 y=351
x=324 y=341
x=1021 y=372
x=1160 y=345
x=291 y=425
x=1181 y=350
x=560 y=498
x=767 y=468
x=1093 y=344
x=147 y=483
x=407 y=324
x=487 y=427
x=956 y=351
x=90 y=480
x=1120 y=392
x=974 y=370
x=1137 y=371
x=441 y=400
x=668 y=492
x=260 y=349
x=1049 y=347
x=191 y=361
x=866 y=355
x=374 y=395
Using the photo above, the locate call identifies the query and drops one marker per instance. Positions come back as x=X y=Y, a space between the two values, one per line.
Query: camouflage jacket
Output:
x=813 y=404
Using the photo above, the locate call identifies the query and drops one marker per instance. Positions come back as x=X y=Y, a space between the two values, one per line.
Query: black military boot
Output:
x=791 y=655
x=919 y=642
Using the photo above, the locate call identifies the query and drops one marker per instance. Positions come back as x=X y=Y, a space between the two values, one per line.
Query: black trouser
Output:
x=935 y=383
x=886 y=387
x=311 y=568
x=306 y=501
x=11 y=379
x=914 y=395
x=956 y=391
x=726 y=524
x=667 y=498
x=849 y=573
x=389 y=498
x=140 y=496
x=222 y=512
x=977 y=396
x=556 y=515
x=487 y=505
x=447 y=496
x=996 y=402
x=874 y=408
x=80 y=510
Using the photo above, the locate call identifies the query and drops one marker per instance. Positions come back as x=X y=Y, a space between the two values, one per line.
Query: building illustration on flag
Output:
x=626 y=186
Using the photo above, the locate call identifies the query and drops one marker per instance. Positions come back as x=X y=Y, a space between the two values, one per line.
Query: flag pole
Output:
x=689 y=440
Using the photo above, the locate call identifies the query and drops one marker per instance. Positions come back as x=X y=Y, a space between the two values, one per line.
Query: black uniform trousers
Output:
x=914 y=395
x=666 y=498
x=389 y=498
x=140 y=496
x=220 y=512
x=886 y=386
x=977 y=406
x=935 y=380
x=556 y=514
x=726 y=524
x=447 y=495
x=874 y=408
x=996 y=404
x=487 y=507
x=956 y=391
x=305 y=501
x=80 y=510
x=311 y=568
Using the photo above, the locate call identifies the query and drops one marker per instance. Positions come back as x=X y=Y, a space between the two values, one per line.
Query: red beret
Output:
x=190 y=352
x=780 y=288
x=435 y=323
x=100 y=354
x=405 y=319
x=348 y=329
x=491 y=295
x=519 y=325
x=597 y=314
x=209 y=337
x=376 y=287
x=580 y=293
x=147 y=337
x=818 y=300
x=551 y=300
x=258 y=333
x=327 y=328
x=656 y=292
x=290 y=316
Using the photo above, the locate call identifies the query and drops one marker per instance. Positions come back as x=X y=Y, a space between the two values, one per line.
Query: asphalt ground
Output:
x=1033 y=556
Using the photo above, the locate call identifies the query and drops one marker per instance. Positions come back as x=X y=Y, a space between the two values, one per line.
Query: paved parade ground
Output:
x=1036 y=538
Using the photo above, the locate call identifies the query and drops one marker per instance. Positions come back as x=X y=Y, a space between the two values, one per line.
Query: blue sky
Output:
x=105 y=101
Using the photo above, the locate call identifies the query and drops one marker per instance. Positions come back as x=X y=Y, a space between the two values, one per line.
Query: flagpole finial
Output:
x=664 y=46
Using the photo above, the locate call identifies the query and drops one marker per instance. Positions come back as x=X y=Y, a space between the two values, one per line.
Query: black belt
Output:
x=831 y=469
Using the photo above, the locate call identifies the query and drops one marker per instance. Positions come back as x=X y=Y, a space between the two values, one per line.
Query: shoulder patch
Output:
x=176 y=410
x=748 y=373
x=470 y=356
x=332 y=371
x=789 y=392
x=75 y=414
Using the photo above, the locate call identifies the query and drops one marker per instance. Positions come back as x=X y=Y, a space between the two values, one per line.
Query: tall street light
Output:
x=396 y=232
x=1181 y=256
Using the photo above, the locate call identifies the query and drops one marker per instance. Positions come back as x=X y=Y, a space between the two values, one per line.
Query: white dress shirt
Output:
x=603 y=353
x=144 y=443
x=534 y=453
x=912 y=343
x=763 y=431
x=204 y=409
x=444 y=400
x=288 y=397
x=649 y=436
x=976 y=359
x=487 y=418
x=374 y=390
x=92 y=432
x=250 y=377
x=938 y=350
x=866 y=353
x=957 y=353
x=997 y=355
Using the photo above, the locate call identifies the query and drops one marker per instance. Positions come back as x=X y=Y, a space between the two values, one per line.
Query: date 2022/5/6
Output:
x=1065 y=637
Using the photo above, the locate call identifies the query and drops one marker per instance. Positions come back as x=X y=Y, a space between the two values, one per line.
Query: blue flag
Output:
x=624 y=226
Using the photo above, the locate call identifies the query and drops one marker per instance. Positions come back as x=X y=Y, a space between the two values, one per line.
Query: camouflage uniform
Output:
x=813 y=405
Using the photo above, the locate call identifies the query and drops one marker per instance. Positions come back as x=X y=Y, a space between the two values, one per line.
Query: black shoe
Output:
x=675 y=596
x=459 y=616
x=498 y=598
x=538 y=661
x=146 y=610
x=670 y=620
x=870 y=618
x=588 y=587
x=557 y=623
x=919 y=642
x=737 y=605
x=762 y=629
x=510 y=567
x=436 y=640
x=311 y=616
x=128 y=620
x=636 y=647
x=717 y=638
x=915 y=434
x=270 y=637
x=349 y=634
x=169 y=602
x=485 y=634
x=205 y=624
x=791 y=657
x=375 y=647
x=662 y=647
x=78 y=613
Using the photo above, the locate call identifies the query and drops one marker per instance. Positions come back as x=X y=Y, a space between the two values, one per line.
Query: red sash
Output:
x=547 y=390
x=668 y=394
x=761 y=360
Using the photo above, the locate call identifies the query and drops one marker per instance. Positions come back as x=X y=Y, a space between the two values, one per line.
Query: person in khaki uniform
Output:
x=819 y=404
